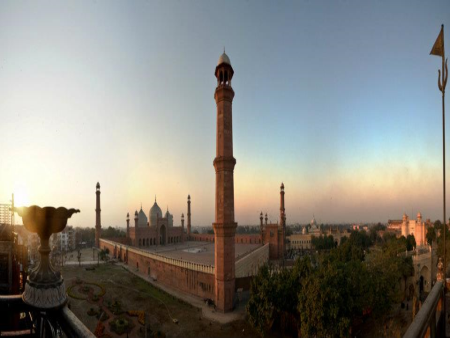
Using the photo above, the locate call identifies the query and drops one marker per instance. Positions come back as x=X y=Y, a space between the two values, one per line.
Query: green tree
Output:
x=410 y=242
x=273 y=294
x=103 y=254
x=431 y=235
x=323 y=242
x=438 y=225
x=111 y=232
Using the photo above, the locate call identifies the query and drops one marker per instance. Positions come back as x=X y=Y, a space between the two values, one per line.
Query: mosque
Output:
x=155 y=230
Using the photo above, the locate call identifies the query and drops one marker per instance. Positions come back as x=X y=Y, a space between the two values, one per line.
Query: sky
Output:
x=337 y=99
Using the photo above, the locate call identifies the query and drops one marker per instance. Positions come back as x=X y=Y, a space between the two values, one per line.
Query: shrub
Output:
x=120 y=325
x=139 y=314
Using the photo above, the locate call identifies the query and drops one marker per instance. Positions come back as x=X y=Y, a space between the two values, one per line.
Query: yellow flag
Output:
x=438 y=48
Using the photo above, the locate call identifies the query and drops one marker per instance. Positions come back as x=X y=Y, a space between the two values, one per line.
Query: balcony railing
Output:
x=25 y=321
x=428 y=321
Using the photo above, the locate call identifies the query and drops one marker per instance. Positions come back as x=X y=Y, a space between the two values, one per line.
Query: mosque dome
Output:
x=224 y=59
x=419 y=215
x=155 y=212
x=313 y=222
x=142 y=218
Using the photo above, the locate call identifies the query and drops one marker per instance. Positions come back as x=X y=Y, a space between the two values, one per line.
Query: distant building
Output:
x=303 y=240
x=13 y=261
x=5 y=214
x=404 y=227
x=65 y=240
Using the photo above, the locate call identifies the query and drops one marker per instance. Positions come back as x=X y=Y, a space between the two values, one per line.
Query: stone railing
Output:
x=428 y=320
x=42 y=324
x=167 y=260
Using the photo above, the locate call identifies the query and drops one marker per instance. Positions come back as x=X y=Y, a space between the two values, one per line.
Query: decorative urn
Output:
x=45 y=287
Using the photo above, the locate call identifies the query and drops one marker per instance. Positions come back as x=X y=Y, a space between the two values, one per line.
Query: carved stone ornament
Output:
x=45 y=287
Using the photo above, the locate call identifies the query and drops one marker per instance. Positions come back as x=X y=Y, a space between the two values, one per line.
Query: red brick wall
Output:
x=272 y=235
x=248 y=239
x=189 y=281
x=202 y=237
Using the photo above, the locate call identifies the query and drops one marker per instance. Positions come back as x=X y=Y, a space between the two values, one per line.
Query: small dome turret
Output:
x=224 y=59
x=224 y=72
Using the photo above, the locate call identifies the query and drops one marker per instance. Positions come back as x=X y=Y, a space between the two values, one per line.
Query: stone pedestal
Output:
x=44 y=288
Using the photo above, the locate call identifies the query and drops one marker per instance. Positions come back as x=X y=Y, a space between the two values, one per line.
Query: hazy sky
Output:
x=337 y=99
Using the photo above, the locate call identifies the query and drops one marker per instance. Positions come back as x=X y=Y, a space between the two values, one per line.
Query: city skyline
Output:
x=337 y=101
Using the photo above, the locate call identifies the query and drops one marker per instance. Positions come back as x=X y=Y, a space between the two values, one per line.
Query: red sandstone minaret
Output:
x=224 y=225
x=128 y=227
x=182 y=227
x=98 y=222
x=282 y=218
x=189 y=217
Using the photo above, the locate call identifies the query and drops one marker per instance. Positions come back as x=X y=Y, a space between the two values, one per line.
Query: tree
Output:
x=288 y=231
x=323 y=242
x=438 y=225
x=328 y=295
x=273 y=294
x=410 y=242
x=111 y=232
x=431 y=235
x=103 y=254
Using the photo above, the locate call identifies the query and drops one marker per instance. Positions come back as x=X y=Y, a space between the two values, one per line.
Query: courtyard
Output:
x=128 y=300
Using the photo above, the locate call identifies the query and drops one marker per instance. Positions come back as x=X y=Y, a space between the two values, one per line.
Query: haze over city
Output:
x=339 y=101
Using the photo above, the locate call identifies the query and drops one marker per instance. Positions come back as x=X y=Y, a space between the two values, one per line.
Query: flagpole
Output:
x=445 y=219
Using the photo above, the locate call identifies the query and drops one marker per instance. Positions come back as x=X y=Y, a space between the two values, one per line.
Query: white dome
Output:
x=142 y=219
x=224 y=59
x=155 y=212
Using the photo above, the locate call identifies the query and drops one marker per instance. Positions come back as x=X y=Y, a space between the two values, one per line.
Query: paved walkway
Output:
x=208 y=312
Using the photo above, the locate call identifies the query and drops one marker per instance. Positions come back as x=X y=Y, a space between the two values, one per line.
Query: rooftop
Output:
x=199 y=252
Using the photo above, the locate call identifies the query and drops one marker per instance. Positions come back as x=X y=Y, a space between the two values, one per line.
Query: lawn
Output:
x=135 y=294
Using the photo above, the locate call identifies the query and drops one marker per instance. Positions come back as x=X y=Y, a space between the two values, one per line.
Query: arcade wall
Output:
x=189 y=277
x=239 y=239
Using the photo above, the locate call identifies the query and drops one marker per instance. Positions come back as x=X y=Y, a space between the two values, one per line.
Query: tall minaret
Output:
x=98 y=221
x=282 y=210
x=128 y=226
x=224 y=225
x=189 y=217
x=182 y=227
x=261 y=221
x=282 y=219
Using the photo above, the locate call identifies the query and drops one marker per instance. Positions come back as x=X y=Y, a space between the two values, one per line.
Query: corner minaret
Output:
x=224 y=225
x=128 y=226
x=282 y=209
x=261 y=222
x=182 y=227
x=98 y=221
x=189 y=217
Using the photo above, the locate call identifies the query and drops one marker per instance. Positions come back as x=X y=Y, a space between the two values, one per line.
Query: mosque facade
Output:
x=155 y=230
